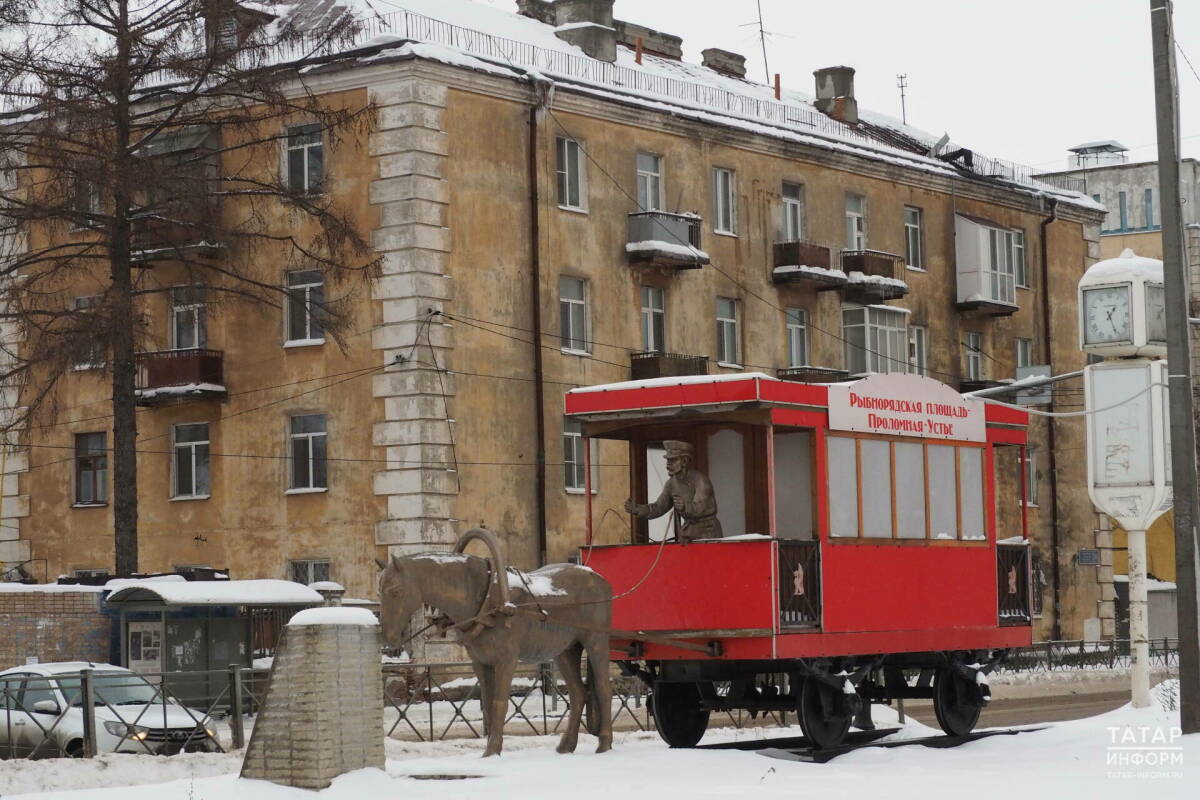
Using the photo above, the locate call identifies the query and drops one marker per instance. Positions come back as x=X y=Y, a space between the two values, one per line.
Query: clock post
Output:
x=1122 y=319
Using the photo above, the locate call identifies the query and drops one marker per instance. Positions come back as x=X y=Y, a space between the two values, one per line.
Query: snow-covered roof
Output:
x=333 y=615
x=1126 y=266
x=48 y=588
x=681 y=380
x=265 y=592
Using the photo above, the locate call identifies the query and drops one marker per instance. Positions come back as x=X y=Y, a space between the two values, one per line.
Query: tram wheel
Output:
x=957 y=713
x=824 y=721
x=678 y=715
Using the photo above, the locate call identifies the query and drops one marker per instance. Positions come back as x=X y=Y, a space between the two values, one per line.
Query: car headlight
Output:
x=126 y=730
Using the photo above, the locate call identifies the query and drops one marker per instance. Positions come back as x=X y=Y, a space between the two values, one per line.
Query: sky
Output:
x=1020 y=79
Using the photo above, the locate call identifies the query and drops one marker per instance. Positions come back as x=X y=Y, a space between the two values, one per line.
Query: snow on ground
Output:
x=1069 y=759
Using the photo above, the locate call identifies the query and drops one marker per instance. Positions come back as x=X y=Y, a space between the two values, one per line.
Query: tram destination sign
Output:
x=906 y=405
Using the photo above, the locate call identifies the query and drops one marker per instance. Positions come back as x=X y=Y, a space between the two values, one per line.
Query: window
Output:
x=649 y=182
x=913 y=256
x=190 y=444
x=727 y=331
x=1016 y=245
x=875 y=339
x=918 y=350
x=571 y=183
x=1038 y=575
x=91 y=469
x=724 y=201
x=95 y=573
x=305 y=159
x=973 y=356
x=187 y=318
x=86 y=202
x=1148 y=208
x=573 y=316
x=882 y=491
x=793 y=212
x=999 y=267
x=797 y=337
x=1123 y=206
x=309 y=570
x=1031 y=476
x=574 y=477
x=308 y=452
x=306 y=296
x=92 y=351
x=856 y=222
x=654 y=320
x=1024 y=354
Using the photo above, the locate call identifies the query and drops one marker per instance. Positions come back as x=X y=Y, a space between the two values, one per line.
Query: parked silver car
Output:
x=41 y=714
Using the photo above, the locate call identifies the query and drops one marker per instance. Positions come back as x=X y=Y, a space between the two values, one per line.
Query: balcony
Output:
x=182 y=231
x=665 y=365
x=808 y=374
x=661 y=239
x=169 y=376
x=805 y=263
x=873 y=276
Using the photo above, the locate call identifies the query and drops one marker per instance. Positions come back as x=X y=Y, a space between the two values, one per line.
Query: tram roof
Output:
x=743 y=391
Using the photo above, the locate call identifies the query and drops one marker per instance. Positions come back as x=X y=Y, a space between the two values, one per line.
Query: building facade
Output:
x=545 y=223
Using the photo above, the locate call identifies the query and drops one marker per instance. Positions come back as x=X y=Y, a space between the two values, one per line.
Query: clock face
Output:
x=1156 y=313
x=1106 y=315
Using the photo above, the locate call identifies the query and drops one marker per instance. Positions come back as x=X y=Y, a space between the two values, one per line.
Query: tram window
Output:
x=793 y=485
x=727 y=471
x=843 y=486
x=656 y=479
x=910 y=490
x=943 y=499
x=876 y=488
x=970 y=479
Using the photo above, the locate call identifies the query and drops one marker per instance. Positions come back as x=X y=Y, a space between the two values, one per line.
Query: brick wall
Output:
x=52 y=626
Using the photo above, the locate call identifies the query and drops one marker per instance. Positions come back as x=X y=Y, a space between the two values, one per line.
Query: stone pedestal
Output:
x=323 y=711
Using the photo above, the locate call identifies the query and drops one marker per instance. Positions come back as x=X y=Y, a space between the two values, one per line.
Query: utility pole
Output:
x=762 y=38
x=1178 y=296
x=902 y=82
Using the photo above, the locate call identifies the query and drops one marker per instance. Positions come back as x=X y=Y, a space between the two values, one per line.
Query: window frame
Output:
x=914 y=239
x=309 y=437
x=728 y=330
x=895 y=538
x=312 y=313
x=308 y=564
x=574 y=454
x=566 y=317
x=296 y=139
x=569 y=164
x=1148 y=209
x=176 y=446
x=725 y=202
x=895 y=352
x=918 y=345
x=999 y=268
x=98 y=474
x=195 y=304
x=1019 y=255
x=856 y=236
x=793 y=212
x=96 y=359
x=972 y=348
x=653 y=319
x=796 y=331
x=1022 y=344
x=1028 y=460
x=648 y=180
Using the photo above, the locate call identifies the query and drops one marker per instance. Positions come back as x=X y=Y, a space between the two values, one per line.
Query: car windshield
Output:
x=112 y=688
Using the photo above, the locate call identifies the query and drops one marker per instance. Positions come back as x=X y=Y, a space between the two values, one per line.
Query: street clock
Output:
x=1122 y=308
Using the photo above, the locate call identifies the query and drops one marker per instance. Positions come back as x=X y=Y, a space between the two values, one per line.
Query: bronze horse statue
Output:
x=503 y=617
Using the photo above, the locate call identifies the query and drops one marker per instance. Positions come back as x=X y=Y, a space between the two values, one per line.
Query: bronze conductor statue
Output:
x=688 y=493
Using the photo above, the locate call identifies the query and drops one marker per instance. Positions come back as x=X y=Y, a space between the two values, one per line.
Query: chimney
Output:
x=587 y=24
x=725 y=62
x=654 y=42
x=835 y=93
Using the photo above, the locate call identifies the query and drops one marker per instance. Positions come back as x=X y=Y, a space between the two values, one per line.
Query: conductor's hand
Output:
x=678 y=502
x=629 y=507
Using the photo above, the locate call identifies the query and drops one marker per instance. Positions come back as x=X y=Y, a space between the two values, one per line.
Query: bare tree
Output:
x=150 y=133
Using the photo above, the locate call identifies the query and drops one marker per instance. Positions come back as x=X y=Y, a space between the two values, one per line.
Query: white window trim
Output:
x=175 y=445
x=198 y=323
x=291 y=443
x=312 y=490
x=898 y=360
x=285 y=155
x=81 y=304
x=651 y=177
x=860 y=237
x=1017 y=352
x=309 y=312
x=595 y=459
x=793 y=207
x=1031 y=480
x=585 y=305
x=720 y=202
x=792 y=324
x=735 y=321
x=650 y=312
x=580 y=167
x=918 y=335
x=973 y=354
x=920 y=228
x=1020 y=232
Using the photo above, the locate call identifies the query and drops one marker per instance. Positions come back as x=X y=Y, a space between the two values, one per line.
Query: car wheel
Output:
x=75 y=749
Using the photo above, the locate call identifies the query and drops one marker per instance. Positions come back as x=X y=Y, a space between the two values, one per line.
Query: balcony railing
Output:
x=662 y=239
x=805 y=262
x=809 y=374
x=873 y=276
x=665 y=365
x=165 y=376
x=178 y=232
x=1012 y=583
x=799 y=584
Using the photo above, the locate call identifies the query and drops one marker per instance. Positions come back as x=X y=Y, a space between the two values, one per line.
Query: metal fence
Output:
x=1067 y=655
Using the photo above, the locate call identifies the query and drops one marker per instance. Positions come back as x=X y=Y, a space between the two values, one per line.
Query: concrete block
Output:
x=404 y=235
x=415 y=536
x=401 y=140
x=407 y=187
x=411 y=381
x=418 y=406
x=433 y=287
x=410 y=506
x=412 y=91
x=17 y=506
x=420 y=262
x=412 y=481
x=399 y=212
x=404 y=334
x=410 y=115
x=412 y=431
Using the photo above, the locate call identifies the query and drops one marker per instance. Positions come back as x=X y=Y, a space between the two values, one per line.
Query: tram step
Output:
x=815 y=755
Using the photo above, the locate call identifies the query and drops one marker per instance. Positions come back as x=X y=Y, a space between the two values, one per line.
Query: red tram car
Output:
x=866 y=552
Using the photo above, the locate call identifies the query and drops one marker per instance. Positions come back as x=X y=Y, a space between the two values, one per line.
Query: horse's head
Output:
x=400 y=597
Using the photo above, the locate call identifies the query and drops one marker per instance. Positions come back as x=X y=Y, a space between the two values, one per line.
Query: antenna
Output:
x=762 y=38
x=902 y=83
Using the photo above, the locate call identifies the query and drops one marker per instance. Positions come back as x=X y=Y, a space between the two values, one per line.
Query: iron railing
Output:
x=1058 y=656
x=665 y=365
x=164 y=369
x=799 y=584
x=675 y=229
x=1012 y=583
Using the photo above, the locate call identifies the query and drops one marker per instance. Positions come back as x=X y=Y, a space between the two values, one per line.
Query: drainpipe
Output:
x=1055 y=568
x=541 y=98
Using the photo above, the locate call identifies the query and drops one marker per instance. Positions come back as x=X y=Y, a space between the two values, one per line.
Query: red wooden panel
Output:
x=791 y=392
x=1007 y=435
x=698 y=586
x=894 y=587
x=798 y=418
x=685 y=394
x=1003 y=415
